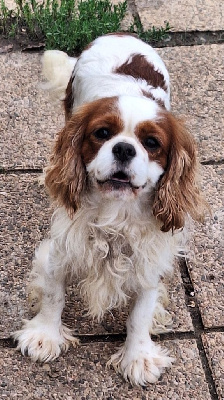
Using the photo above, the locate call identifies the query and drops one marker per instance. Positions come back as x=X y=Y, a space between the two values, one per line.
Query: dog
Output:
x=123 y=178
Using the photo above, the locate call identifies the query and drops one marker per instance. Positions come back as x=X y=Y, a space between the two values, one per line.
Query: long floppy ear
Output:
x=66 y=175
x=177 y=192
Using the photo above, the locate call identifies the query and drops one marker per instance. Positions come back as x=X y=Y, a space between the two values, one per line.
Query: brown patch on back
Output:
x=139 y=68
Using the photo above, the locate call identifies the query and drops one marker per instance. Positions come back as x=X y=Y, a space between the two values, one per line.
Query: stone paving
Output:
x=28 y=125
x=184 y=15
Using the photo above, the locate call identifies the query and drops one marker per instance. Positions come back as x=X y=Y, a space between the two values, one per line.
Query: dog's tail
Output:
x=57 y=68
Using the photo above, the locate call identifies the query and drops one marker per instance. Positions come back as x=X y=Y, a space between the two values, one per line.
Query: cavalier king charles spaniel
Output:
x=123 y=177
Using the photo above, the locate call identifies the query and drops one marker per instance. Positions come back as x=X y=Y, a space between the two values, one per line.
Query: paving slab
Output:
x=197 y=94
x=81 y=374
x=25 y=216
x=24 y=222
x=187 y=15
x=29 y=121
x=184 y=15
x=214 y=347
x=206 y=260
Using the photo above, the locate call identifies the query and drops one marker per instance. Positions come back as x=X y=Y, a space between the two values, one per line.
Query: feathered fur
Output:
x=123 y=178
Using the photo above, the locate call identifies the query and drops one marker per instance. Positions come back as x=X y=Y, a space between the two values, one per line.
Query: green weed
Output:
x=151 y=35
x=69 y=25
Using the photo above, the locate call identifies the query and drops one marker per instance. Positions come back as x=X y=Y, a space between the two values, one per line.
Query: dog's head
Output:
x=125 y=147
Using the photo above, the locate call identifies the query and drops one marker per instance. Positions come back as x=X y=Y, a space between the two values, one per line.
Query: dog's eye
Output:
x=151 y=143
x=102 y=134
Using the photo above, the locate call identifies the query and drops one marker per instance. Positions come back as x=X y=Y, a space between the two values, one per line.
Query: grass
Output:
x=69 y=25
x=151 y=35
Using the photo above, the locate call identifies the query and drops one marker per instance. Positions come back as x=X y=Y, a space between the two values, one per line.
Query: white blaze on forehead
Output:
x=134 y=110
x=141 y=170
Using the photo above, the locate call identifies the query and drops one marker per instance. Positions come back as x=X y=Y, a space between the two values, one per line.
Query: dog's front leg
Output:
x=44 y=336
x=140 y=360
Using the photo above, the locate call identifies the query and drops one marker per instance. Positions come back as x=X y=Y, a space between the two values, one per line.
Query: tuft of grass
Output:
x=69 y=25
x=6 y=17
x=151 y=35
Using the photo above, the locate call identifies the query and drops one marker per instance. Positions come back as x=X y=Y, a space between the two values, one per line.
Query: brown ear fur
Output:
x=66 y=175
x=177 y=193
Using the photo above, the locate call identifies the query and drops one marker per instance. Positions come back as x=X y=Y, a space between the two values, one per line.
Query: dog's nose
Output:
x=124 y=151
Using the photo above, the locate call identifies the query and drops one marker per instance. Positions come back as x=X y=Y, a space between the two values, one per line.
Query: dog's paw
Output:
x=143 y=365
x=43 y=341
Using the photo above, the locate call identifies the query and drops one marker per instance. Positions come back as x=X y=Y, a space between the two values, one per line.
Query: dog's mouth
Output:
x=119 y=180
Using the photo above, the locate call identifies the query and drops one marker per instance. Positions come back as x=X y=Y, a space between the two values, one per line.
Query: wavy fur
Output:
x=123 y=176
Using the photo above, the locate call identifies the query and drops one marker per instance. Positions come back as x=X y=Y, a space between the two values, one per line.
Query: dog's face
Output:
x=124 y=147
x=124 y=150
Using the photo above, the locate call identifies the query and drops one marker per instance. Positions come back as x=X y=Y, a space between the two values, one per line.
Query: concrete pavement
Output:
x=28 y=125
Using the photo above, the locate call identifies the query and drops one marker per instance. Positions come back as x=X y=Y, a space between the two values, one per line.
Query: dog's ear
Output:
x=66 y=175
x=177 y=193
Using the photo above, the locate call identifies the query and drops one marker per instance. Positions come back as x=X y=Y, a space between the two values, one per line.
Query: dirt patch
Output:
x=20 y=42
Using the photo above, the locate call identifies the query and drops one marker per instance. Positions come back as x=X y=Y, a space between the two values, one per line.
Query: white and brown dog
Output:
x=123 y=177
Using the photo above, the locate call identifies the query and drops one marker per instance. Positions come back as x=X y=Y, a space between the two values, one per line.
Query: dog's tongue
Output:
x=120 y=177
